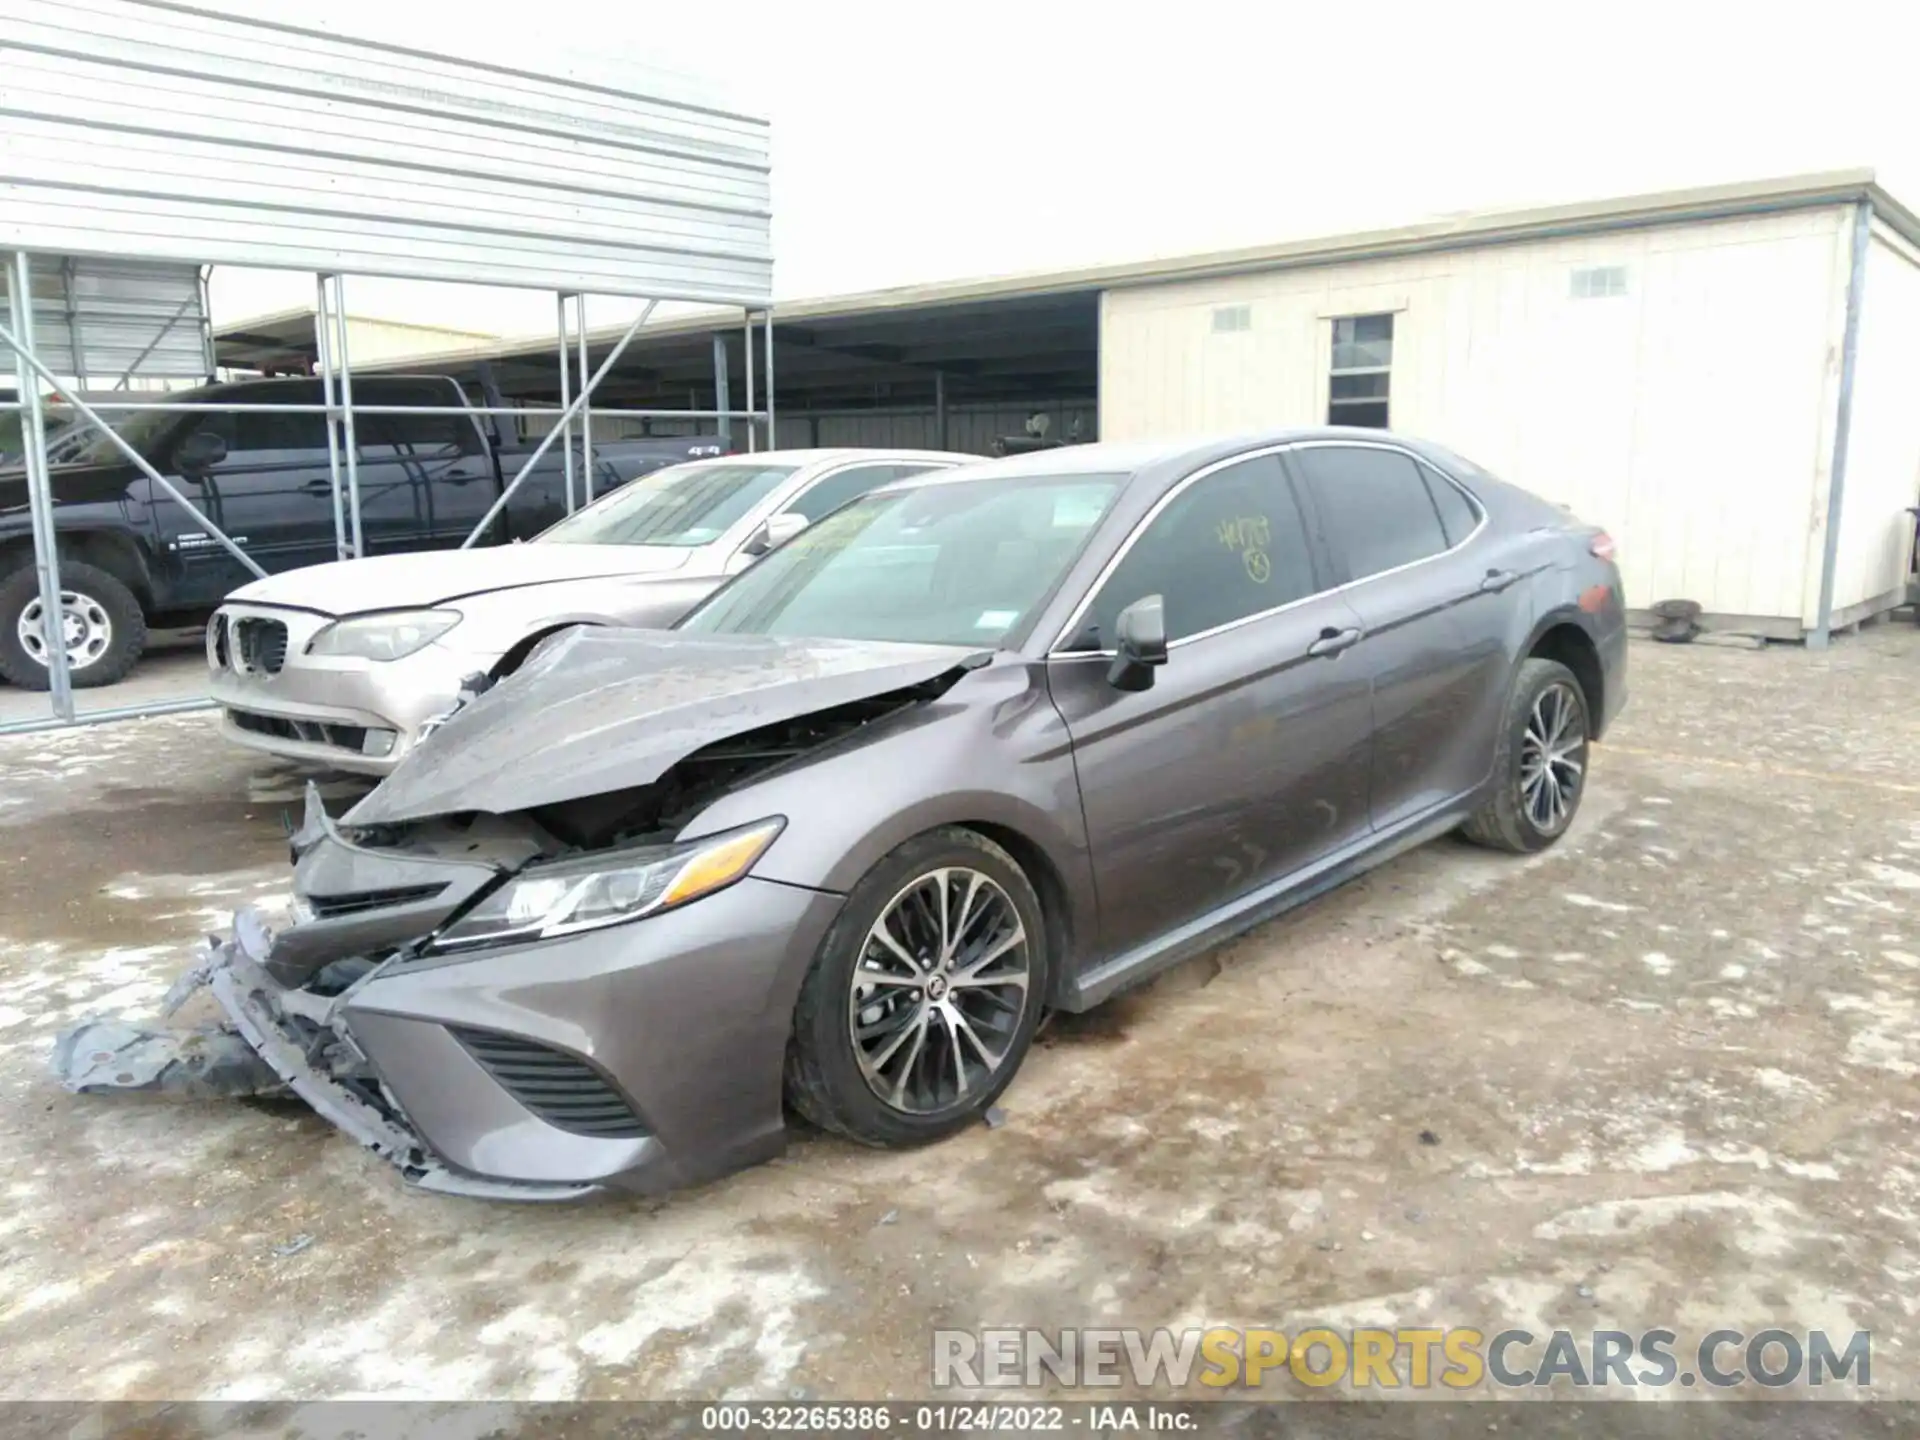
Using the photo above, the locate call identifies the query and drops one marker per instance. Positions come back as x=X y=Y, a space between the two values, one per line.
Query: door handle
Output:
x=1498 y=580
x=1332 y=642
x=323 y=487
x=459 y=477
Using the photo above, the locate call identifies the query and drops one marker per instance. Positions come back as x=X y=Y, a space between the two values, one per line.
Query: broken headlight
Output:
x=608 y=889
x=393 y=635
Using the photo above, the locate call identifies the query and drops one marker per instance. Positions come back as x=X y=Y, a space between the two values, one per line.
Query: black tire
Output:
x=824 y=1080
x=1510 y=819
x=109 y=603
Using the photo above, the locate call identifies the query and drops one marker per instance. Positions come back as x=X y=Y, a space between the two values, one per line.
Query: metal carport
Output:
x=160 y=135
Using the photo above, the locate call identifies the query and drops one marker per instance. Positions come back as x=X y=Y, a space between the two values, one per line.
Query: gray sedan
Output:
x=1009 y=738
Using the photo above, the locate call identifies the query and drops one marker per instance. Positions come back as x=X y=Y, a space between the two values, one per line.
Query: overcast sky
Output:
x=916 y=142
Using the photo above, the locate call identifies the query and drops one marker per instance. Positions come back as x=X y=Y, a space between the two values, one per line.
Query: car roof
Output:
x=827 y=455
x=1177 y=455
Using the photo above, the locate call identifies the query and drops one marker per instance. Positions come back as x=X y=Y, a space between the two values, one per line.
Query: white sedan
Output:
x=349 y=665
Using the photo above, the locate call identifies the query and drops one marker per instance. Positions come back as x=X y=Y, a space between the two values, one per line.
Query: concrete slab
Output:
x=175 y=668
x=1661 y=1076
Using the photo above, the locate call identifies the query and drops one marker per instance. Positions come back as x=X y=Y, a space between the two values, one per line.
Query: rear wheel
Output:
x=101 y=624
x=1540 y=769
x=924 y=996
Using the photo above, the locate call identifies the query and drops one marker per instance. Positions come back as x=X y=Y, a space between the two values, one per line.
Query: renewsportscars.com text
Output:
x=1410 y=1358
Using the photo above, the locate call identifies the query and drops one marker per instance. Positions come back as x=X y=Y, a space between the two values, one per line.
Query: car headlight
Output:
x=392 y=635
x=608 y=889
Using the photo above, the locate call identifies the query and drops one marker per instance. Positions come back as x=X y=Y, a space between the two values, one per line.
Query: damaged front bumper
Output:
x=642 y=1057
x=261 y=1050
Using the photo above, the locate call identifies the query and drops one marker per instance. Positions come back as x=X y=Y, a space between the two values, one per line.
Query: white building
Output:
x=1724 y=379
x=1728 y=378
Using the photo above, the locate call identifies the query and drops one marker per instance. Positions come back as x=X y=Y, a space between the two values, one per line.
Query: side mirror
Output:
x=200 y=450
x=1140 y=644
x=774 y=533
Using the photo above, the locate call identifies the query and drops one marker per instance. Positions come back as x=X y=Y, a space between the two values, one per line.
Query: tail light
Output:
x=1601 y=546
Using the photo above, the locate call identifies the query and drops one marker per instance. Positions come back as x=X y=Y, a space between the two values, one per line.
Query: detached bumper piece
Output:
x=275 y=1041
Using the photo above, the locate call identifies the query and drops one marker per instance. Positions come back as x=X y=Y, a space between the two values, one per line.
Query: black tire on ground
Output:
x=101 y=596
x=1506 y=821
x=824 y=1081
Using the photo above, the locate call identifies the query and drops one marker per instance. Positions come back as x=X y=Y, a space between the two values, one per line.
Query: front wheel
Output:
x=924 y=996
x=100 y=622
x=1540 y=767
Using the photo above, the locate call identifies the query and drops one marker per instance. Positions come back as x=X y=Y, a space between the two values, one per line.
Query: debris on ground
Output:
x=293 y=1247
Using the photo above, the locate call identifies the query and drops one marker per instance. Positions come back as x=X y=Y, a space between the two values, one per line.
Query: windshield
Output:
x=685 y=505
x=961 y=562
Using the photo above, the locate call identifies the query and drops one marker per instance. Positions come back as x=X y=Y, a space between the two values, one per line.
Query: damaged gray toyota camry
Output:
x=974 y=746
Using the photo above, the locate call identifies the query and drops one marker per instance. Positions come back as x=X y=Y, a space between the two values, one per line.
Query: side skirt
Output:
x=1256 y=907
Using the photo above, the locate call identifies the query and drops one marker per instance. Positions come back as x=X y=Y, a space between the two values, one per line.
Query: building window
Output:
x=1599 y=282
x=1231 y=319
x=1362 y=366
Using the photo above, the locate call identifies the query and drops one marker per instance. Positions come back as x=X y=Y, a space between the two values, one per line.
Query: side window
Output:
x=844 y=485
x=413 y=436
x=1374 y=505
x=1458 y=515
x=256 y=437
x=1228 y=546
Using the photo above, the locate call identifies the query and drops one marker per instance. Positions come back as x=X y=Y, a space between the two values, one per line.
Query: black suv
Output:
x=131 y=556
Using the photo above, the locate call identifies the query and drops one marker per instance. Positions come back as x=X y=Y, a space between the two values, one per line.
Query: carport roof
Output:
x=286 y=337
x=1013 y=335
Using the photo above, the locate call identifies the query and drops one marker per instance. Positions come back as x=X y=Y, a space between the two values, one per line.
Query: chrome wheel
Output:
x=1553 y=755
x=939 y=990
x=86 y=629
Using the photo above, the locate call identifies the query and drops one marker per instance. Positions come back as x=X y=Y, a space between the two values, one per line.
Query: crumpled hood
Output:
x=604 y=710
x=436 y=577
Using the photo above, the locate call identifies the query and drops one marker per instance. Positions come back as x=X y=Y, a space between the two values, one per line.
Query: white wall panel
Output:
x=153 y=130
x=1685 y=415
x=1883 y=446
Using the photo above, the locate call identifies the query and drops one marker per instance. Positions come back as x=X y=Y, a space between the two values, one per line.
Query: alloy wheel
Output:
x=939 y=990
x=86 y=629
x=1553 y=754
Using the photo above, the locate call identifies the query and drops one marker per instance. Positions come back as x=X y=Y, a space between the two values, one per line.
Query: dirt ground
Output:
x=1661 y=1076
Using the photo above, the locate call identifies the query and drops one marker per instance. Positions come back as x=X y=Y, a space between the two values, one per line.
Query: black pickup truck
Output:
x=131 y=556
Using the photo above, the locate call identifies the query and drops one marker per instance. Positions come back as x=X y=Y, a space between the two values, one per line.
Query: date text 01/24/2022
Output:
x=943 y=1419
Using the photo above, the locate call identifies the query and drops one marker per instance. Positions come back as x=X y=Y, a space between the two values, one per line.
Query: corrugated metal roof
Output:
x=1670 y=207
x=102 y=319
x=153 y=130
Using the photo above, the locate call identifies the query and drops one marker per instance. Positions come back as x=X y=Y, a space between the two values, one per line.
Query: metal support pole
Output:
x=939 y=409
x=139 y=461
x=346 y=409
x=747 y=345
x=154 y=344
x=566 y=398
x=579 y=402
x=769 y=335
x=78 y=341
x=720 y=388
x=323 y=347
x=208 y=350
x=1822 y=632
x=33 y=431
x=586 y=410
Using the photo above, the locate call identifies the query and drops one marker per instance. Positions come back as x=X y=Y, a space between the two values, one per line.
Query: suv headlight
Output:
x=608 y=889
x=391 y=635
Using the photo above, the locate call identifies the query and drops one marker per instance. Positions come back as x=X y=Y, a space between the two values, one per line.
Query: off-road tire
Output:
x=20 y=588
x=823 y=1079
x=1502 y=823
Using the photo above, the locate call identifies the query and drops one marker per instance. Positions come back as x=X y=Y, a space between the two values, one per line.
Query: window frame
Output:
x=895 y=464
x=1336 y=372
x=1336 y=556
x=1328 y=565
x=1317 y=551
